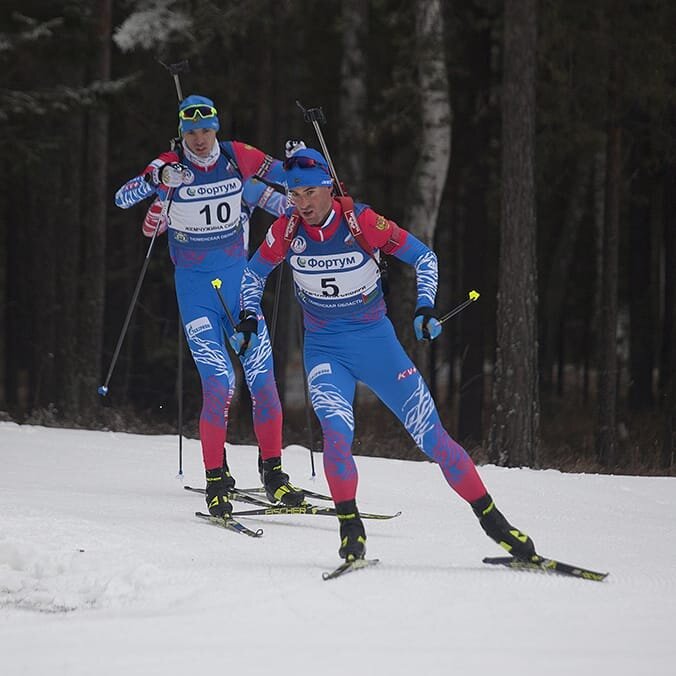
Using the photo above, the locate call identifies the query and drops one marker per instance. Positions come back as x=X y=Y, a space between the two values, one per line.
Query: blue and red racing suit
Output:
x=348 y=337
x=207 y=223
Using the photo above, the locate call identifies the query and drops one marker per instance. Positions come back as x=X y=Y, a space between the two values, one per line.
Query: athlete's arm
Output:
x=267 y=257
x=387 y=236
x=144 y=185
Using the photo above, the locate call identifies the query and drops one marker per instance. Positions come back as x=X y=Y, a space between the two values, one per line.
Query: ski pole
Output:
x=174 y=69
x=315 y=116
x=275 y=308
x=103 y=389
x=473 y=295
x=216 y=283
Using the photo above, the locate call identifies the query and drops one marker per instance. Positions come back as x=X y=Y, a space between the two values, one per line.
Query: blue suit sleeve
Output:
x=134 y=191
x=258 y=194
x=417 y=254
x=253 y=282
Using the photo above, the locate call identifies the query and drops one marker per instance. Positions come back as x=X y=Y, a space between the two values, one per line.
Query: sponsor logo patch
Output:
x=198 y=325
x=228 y=187
x=347 y=261
x=381 y=223
x=402 y=375
x=298 y=245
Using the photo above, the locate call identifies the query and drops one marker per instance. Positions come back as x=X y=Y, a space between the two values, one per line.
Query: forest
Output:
x=531 y=143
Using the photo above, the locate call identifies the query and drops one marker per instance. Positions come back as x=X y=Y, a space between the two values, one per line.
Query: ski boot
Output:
x=217 y=494
x=228 y=479
x=518 y=544
x=277 y=486
x=352 y=533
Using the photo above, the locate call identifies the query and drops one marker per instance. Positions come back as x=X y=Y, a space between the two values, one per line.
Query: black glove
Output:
x=246 y=333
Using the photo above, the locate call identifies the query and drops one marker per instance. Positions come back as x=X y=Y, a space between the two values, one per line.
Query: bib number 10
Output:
x=221 y=211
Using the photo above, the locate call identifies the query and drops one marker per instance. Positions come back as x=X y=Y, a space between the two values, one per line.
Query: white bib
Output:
x=334 y=276
x=213 y=208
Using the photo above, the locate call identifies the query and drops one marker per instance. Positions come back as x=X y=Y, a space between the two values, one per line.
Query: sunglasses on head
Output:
x=302 y=162
x=191 y=113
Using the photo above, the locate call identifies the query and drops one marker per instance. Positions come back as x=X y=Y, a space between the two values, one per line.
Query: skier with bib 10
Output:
x=205 y=192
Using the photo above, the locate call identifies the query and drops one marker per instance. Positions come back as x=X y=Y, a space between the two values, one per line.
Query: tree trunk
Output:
x=593 y=344
x=353 y=96
x=434 y=149
x=606 y=436
x=668 y=359
x=641 y=292
x=95 y=198
x=514 y=438
x=559 y=270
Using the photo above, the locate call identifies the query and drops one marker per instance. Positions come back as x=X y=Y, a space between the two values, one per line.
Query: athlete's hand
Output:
x=426 y=324
x=173 y=175
x=245 y=337
x=293 y=145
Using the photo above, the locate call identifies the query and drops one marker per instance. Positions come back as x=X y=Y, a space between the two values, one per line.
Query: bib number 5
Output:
x=329 y=287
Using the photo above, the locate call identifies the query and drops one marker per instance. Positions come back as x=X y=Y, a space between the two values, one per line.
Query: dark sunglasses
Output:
x=191 y=113
x=302 y=162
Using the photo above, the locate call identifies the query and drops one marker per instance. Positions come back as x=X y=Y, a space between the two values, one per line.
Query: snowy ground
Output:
x=104 y=570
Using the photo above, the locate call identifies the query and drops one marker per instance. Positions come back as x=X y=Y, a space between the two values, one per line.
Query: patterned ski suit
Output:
x=207 y=223
x=348 y=337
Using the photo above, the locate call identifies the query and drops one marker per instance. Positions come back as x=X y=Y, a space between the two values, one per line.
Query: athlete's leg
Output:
x=332 y=392
x=259 y=372
x=204 y=334
x=267 y=409
x=396 y=381
x=386 y=369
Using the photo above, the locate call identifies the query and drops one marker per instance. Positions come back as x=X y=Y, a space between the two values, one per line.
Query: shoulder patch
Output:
x=381 y=223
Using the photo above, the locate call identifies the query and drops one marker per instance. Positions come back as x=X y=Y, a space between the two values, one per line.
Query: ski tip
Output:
x=348 y=566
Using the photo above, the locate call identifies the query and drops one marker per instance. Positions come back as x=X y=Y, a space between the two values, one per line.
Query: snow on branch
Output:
x=153 y=25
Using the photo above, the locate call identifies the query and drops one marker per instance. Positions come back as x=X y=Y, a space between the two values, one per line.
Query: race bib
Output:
x=334 y=277
x=213 y=208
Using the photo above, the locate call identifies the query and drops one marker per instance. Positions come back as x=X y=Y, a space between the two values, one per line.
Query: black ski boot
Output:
x=277 y=486
x=352 y=533
x=497 y=528
x=228 y=479
x=217 y=494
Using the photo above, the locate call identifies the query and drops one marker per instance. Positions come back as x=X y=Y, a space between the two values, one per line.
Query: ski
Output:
x=308 y=493
x=283 y=510
x=235 y=494
x=230 y=524
x=348 y=567
x=542 y=563
x=268 y=509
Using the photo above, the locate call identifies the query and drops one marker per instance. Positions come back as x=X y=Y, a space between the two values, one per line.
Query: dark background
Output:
x=80 y=115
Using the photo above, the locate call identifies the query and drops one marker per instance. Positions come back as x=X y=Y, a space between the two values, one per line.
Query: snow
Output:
x=104 y=569
x=152 y=23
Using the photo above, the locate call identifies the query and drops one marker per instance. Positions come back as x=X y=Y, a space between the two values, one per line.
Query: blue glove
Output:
x=245 y=337
x=426 y=323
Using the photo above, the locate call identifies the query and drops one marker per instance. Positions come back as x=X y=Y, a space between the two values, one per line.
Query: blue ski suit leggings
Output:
x=373 y=355
x=205 y=322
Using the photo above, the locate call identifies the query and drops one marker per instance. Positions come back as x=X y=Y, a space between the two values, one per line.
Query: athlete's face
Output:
x=200 y=141
x=313 y=203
